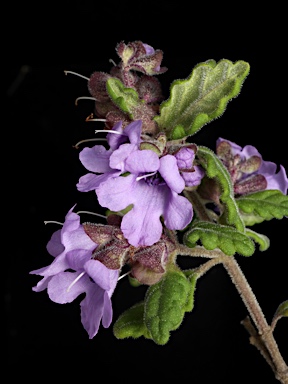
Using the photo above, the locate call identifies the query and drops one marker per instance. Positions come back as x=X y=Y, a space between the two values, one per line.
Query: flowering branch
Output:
x=165 y=196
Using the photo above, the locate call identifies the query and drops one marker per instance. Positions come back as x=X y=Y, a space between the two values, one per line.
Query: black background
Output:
x=41 y=168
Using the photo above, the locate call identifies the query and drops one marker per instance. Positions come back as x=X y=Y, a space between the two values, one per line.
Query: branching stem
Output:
x=261 y=336
x=263 y=339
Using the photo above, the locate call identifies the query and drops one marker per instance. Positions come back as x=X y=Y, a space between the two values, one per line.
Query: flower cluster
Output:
x=126 y=175
x=249 y=172
x=151 y=184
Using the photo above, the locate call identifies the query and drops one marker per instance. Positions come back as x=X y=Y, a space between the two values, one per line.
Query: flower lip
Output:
x=146 y=180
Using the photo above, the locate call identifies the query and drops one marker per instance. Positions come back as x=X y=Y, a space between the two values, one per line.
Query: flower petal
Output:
x=92 y=309
x=133 y=131
x=103 y=276
x=95 y=159
x=142 y=161
x=193 y=178
x=117 y=193
x=90 y=182
x=141 y=225
x=64 y=287
x=54 y=246
x=278 y=181
x=118 y=157
x=72 y=221
x=249 y=151
x=185 y=157
x=107 y=311
x=77 y=239
x=267 y=168
x=78 y=257
x=59 y=264
x=170 y=173
x=114 y=140
x=178 y=213
x=42 y=284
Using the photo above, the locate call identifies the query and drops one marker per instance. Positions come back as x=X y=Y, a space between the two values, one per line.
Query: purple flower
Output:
x=192 y=175
x=149 y=185
x=96 y=159
x=72 y=249
x=249 y=172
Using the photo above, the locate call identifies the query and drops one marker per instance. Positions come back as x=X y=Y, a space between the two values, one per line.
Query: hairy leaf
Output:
x=224 y=237
x=215 y=169
x=201 y=97
x=281 y=311
x=131 y=324
x=126 y=99
x=263 y=205
x=166 y=303
x=262 y=240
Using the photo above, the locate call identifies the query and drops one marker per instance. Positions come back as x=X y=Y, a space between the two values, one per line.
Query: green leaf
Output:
x=166 y=303
x=224 y=237
x=250 y=219
x=215 y=169
x=282 y=310
x=263 y=205
x=131 y=324
x=192 y=277
x=201 y=97
x=126 y=99
x=262 y=240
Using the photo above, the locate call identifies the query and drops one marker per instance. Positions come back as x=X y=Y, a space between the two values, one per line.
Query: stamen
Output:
x=90 y=118
x=125 y=274
x=53 y=222
x=108 y=131
x=75 y=281
x=92 y=213
x=77 y=74
x=113 y=62
x=96 y=120
x=86 y=140
x=84 y=98
x=143 y=177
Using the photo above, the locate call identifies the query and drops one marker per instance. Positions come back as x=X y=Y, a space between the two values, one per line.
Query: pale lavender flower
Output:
x=149 y=185
x=192 y=174
x=96 y=159
x=72 y=249
x=249 y=172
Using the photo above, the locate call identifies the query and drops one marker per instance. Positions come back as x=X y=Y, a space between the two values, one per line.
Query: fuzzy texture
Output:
x=249 y=172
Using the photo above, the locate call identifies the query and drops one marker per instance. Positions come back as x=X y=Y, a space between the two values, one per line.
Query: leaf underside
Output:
x=264 y=205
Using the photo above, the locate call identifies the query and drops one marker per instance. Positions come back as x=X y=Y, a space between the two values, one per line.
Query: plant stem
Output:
x=264 y=340
x=198 y=206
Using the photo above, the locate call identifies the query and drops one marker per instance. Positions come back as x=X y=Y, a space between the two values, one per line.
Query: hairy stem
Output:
x=264 y=340
x=198 y=206
x=202 y=269
x=198 y=251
